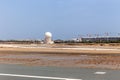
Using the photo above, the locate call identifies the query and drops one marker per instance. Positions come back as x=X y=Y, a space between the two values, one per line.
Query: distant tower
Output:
x=48 y=38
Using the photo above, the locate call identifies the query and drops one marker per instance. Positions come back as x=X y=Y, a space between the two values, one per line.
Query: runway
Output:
x=25 y=72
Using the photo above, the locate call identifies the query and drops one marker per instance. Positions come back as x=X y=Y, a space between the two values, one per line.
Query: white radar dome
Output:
x=48 y=34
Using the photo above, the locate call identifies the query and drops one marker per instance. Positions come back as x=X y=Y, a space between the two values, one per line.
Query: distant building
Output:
x=48 y=38
x=77 y=39
x=101 y=39
x=59 y=41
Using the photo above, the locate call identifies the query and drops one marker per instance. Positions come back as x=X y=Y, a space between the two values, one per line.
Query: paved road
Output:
x=23 y=72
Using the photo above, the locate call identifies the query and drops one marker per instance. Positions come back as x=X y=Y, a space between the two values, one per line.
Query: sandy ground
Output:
x=61 y=56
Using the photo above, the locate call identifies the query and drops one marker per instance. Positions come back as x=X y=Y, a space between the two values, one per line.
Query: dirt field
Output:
x=77 y=56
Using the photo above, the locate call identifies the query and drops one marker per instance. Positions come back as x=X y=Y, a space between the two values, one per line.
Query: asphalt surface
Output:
x=25 y=72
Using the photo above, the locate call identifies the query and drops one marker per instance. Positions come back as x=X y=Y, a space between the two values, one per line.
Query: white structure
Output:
x=48 y=38
x=77 y=39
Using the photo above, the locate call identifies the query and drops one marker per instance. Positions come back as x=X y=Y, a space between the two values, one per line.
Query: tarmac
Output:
x=25 y=72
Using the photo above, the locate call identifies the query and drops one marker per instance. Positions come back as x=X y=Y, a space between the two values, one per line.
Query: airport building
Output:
x=102 y=39
x=48 y=38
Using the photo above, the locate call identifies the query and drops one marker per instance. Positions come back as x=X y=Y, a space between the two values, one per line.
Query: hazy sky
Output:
x=30 y=19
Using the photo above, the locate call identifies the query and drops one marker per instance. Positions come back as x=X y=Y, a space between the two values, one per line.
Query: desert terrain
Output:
x=62 y=55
